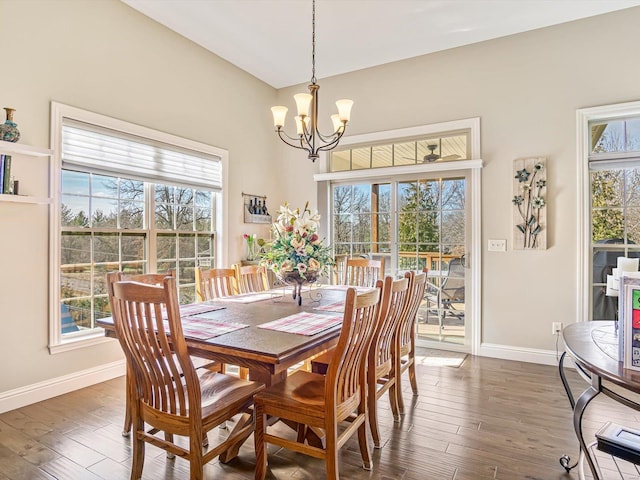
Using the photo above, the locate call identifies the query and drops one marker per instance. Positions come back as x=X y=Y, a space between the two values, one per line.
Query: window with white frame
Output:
x=444 y=147
x=614 y=203
x=131 y=203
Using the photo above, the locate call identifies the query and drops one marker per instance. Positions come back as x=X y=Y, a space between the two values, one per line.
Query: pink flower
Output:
x=298 y=244
x=301 y=267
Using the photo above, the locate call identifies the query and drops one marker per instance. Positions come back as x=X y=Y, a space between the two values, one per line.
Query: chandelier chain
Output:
x=313 y=43
x=308 y=136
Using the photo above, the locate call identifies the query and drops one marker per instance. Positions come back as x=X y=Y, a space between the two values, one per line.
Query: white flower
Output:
x=306 y=225
x=284 y=214
x=301 y=267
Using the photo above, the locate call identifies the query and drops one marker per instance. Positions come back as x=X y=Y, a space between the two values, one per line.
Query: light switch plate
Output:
x=497 y=245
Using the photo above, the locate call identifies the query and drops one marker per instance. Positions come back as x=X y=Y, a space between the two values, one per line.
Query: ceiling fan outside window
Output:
x=448 y=147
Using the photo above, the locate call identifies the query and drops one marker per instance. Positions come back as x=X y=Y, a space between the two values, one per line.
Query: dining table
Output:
x=266 y=332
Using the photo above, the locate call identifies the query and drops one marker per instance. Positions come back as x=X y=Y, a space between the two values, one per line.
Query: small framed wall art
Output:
x=530 y=203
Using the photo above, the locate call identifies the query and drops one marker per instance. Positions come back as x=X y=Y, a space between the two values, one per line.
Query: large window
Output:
x=361 y=219
x=430 y=222
x=614 y=175
x=129 y=199
x=104 y=228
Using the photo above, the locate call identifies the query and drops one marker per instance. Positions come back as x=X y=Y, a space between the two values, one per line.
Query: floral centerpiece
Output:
x=297 y=254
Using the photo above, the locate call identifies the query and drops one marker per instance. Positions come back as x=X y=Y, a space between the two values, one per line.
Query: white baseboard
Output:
x=530 y=355
x=19 y=397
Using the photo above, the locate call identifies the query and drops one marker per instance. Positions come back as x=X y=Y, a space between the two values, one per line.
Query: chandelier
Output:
x=309 y=137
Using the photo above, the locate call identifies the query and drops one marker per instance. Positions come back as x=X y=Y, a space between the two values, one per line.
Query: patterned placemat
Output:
x=193 y=309
x=337 y=307
x=196 y=308
x=345 y=287
x=250 y=297
x=304 y=323
x=202 y=327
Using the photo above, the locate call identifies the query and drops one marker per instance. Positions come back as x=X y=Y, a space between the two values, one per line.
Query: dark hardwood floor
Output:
x=487 y=419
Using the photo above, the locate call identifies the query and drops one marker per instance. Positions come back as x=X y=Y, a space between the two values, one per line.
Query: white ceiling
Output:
x=271 y=39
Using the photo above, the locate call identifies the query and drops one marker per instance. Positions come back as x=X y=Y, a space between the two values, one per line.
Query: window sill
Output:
x=96 y=337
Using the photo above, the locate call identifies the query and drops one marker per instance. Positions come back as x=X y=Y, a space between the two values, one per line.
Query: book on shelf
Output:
x=631 y=331
x=626 y=279
x=6 y=174
x=2 y=173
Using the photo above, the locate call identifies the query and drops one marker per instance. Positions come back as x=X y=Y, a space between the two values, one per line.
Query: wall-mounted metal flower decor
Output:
x=530 y=204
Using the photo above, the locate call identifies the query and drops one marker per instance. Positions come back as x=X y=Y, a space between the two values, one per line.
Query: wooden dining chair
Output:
x=363 y=272
x=198 y=362
x=380 y=366
x=215 y=283
x=251 y=278
x=405 y=339
x=212 y=283
x=170 y=395
x=321 y=402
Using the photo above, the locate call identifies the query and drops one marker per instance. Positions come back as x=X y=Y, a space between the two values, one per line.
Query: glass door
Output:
x=432 y=236
x=412 y=224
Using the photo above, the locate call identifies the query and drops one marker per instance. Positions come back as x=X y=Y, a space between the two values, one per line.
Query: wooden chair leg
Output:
x=331 y=458
x=129 y=394
x=399 y=399
x=372 y=412
x=412 y=374
x=302 y=432
x=364 y=446
x=137 y=461
x=260 y=447
x=196 y=466
x=169 y=438
x=393 y=399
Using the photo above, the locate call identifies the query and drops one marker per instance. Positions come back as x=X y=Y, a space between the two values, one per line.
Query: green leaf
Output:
x=532 y=220
x=537 y=230
x=522 y=228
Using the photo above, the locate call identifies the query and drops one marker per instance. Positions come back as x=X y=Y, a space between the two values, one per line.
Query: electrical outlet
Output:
x=497 y=246
x=556 y=328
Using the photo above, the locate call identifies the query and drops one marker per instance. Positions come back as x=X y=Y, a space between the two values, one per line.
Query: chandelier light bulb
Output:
x=303 y=102
x=344 y=109
x=337 y=123
x=299 y=125
x=279 y=114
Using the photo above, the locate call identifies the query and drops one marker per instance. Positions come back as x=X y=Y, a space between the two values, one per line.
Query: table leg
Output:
x=584 y=400
x=255 y=375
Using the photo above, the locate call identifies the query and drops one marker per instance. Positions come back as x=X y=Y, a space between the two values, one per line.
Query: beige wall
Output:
x=105 y=57
x=526 y=89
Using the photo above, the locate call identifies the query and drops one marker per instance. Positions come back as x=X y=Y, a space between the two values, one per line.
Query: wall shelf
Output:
x=24 y=199
x=10 y=148
x=18 y=150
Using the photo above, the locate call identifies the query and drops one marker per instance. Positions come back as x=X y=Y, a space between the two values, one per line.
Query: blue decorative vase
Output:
x=9 y=129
